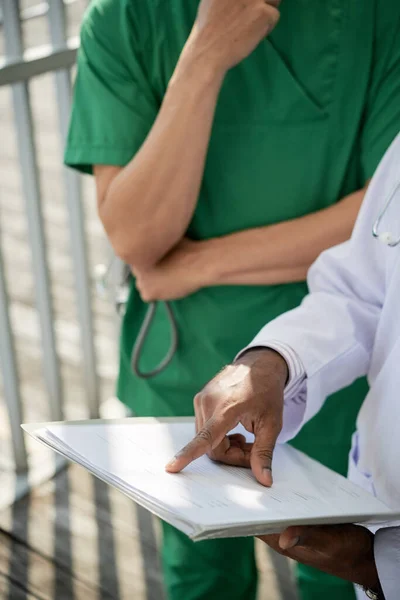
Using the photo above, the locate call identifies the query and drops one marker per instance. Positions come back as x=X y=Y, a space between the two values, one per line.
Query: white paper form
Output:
x=209 y=497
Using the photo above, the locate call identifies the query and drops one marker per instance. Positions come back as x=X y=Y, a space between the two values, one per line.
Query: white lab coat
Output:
x=347 y=327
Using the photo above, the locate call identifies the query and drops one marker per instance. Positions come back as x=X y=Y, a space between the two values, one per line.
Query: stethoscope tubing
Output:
x=142 y=336
x=387 y=237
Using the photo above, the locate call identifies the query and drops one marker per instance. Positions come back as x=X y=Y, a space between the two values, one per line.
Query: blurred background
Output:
x=63 y=534
x=37 y=196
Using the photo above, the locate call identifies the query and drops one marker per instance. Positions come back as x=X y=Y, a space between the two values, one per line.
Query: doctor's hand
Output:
x=346 y=551
x=227 y=31
x=248 y=392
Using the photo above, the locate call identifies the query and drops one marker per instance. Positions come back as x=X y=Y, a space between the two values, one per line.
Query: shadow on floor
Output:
x=21 y=554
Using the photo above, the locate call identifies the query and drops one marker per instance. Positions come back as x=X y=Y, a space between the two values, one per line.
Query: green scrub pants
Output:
x=211 y=570
x=226 y=569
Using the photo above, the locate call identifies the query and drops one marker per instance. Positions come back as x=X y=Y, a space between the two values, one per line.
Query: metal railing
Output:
x=16 y=71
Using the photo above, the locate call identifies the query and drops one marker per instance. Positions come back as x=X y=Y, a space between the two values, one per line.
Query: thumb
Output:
x=318 y=538
x=262 y=452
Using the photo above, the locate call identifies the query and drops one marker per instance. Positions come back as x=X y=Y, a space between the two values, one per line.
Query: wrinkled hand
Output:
x=345 y=551
x=181 y=273
x=227 y=31
x=249 y=392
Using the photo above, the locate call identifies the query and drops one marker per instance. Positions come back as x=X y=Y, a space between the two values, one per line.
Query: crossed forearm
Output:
x=280 y=253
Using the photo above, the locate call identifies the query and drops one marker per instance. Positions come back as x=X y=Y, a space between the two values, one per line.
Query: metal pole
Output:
x=76 y=217
x=8 y=365
x=37 y=63
x=31 y=188
x=37 y=10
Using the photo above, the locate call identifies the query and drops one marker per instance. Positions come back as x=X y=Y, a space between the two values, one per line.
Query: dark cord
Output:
x=142 y=336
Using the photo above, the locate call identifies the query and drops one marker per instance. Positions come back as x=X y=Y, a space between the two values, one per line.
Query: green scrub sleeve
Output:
x=382 y=113
x=114 y=106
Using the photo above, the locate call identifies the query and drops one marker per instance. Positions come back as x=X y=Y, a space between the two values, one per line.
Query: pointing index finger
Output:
x=210 y=436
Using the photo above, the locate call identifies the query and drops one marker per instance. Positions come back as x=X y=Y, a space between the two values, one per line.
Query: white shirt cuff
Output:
x=295 y=391
x=387 y=559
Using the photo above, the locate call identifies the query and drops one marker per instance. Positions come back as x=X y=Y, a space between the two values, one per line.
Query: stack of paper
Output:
x=209 y=500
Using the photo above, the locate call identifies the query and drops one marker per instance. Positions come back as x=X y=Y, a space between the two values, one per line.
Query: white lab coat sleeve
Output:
x=333 y=331
x=294 y=400
x=387 y=559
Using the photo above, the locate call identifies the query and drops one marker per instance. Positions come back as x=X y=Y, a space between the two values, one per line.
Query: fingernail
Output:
x=290 y=543
x=171 y=463
x=267 y=472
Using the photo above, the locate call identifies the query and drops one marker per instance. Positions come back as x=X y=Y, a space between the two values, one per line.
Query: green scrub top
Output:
x=299 y=124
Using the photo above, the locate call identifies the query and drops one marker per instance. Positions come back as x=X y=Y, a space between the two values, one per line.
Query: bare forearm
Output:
x=268 y=277
x=149 y=204
x=280 y=253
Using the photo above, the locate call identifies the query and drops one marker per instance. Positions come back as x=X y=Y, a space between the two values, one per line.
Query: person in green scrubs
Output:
x=227 y=156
